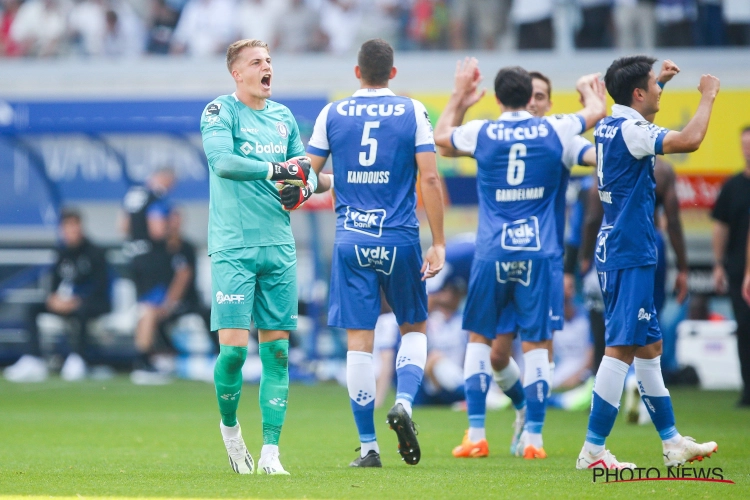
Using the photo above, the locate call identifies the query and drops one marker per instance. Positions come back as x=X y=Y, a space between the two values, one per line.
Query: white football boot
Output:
x=74 y=368
x=517 y=429
x=687 y=450
x=27 y=369
x=269 y=464
x=602 y=460
x=239 y=458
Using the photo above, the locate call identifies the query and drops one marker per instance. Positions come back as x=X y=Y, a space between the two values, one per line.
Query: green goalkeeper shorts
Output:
x=258 y=283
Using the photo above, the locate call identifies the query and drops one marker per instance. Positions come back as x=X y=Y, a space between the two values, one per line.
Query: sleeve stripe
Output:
x=659 y=144
x=425 y=148
x=317 y=151
x=583 y=152
x=583 y=122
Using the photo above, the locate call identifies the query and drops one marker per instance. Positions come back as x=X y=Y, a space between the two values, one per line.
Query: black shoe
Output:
x=372 y=459
x=401 y=423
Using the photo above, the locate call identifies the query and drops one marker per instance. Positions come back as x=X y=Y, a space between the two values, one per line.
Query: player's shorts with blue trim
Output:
x=629 y=312
x=258 y=283
x=495 y=285
x=359 y=271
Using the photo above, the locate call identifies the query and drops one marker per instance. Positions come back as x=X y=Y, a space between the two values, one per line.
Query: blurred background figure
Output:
x=162 y=23
x=635 y=24
x=205 y=28
x=299 y=30
x=8 y=46
x=80 y=292
x=534 y=25
x=675 y=20
x=596 y=30
x=259 y=19
x=737 y=18
x=182 y=295
x=340 y=21
x=731 y=216
x=145 y=223
x=40 y=26
x=477 y=24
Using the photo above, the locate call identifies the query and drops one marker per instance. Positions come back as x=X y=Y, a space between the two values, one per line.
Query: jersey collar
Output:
x=515 y=116
x=620 y=111
x=373 y=92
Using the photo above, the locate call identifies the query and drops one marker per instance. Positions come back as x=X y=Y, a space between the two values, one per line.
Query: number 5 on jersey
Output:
x=367 y=158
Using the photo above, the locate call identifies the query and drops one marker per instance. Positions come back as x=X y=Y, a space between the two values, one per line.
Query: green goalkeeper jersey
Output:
x=244 y=209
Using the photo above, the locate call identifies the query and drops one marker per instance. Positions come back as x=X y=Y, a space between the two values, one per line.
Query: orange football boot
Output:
x=467 y=449
x=530 y=452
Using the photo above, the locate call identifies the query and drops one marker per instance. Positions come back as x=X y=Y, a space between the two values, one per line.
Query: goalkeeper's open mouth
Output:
x=265 y=82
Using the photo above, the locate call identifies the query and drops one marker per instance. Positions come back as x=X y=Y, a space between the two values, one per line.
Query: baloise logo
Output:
x=222 y=298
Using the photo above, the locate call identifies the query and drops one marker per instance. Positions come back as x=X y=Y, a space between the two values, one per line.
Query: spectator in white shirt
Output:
x=205 y=28
x=259 y=18
x=40 y=27
x=635 y=24
x=534 y=22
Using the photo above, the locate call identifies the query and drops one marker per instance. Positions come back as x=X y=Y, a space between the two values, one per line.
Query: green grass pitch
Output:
x=113 y=439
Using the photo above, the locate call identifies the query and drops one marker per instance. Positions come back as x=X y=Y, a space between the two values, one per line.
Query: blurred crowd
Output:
x=121 y=28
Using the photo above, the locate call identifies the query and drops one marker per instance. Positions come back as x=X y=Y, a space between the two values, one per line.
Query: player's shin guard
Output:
x=656 y=397
x=410 y=361
x=610 y=380
x=536 y=387
x=509 y=380
x=274 y=387
x=477 y=378
x=360 y=381
x=228 y=381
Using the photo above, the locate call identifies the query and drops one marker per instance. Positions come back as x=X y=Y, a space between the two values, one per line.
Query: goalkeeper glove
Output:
x=292 y=197
x=295 y=172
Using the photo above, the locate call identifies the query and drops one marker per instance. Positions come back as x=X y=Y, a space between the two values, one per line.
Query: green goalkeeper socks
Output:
x=274 y=387
x=228 y=381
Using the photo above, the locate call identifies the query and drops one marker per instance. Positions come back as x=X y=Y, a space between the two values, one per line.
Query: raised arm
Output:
x=465 y=94
x=690 y=138
x=593 y=98
x=432 y=198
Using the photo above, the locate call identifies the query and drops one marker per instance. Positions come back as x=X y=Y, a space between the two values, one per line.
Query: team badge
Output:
x=281 y=129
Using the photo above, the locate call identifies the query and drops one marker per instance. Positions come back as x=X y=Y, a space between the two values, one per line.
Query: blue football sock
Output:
x=608 y=387
x=536 y=387
x=410 y=361
x=477 y=379
x=509 y=380
x=360 y=381
x=656 y=396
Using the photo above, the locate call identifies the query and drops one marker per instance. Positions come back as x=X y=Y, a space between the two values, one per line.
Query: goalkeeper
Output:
x=252 y=143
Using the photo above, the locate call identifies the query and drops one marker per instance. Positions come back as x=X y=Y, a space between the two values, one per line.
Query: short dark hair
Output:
x=625 y=75
x=69 y=213
x=745 y=130
x=513 y=87
x=375 y=61
x=545 y=79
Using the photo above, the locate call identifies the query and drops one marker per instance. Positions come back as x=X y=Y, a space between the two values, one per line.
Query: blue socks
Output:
x=360 y=381
x=509 y=380
x=610 y=380
x=477 y=380
x=410 y=361
x=536 y=388
x=656 y=397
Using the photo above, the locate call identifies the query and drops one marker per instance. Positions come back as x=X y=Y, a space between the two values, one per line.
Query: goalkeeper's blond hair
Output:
x=233 y=51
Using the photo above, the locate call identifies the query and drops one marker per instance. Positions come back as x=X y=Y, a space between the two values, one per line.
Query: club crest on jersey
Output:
x=365 y=221
x=518 y=271
x=281 y=129
x=222 y=298
x=522 y=234
x=381 y=259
